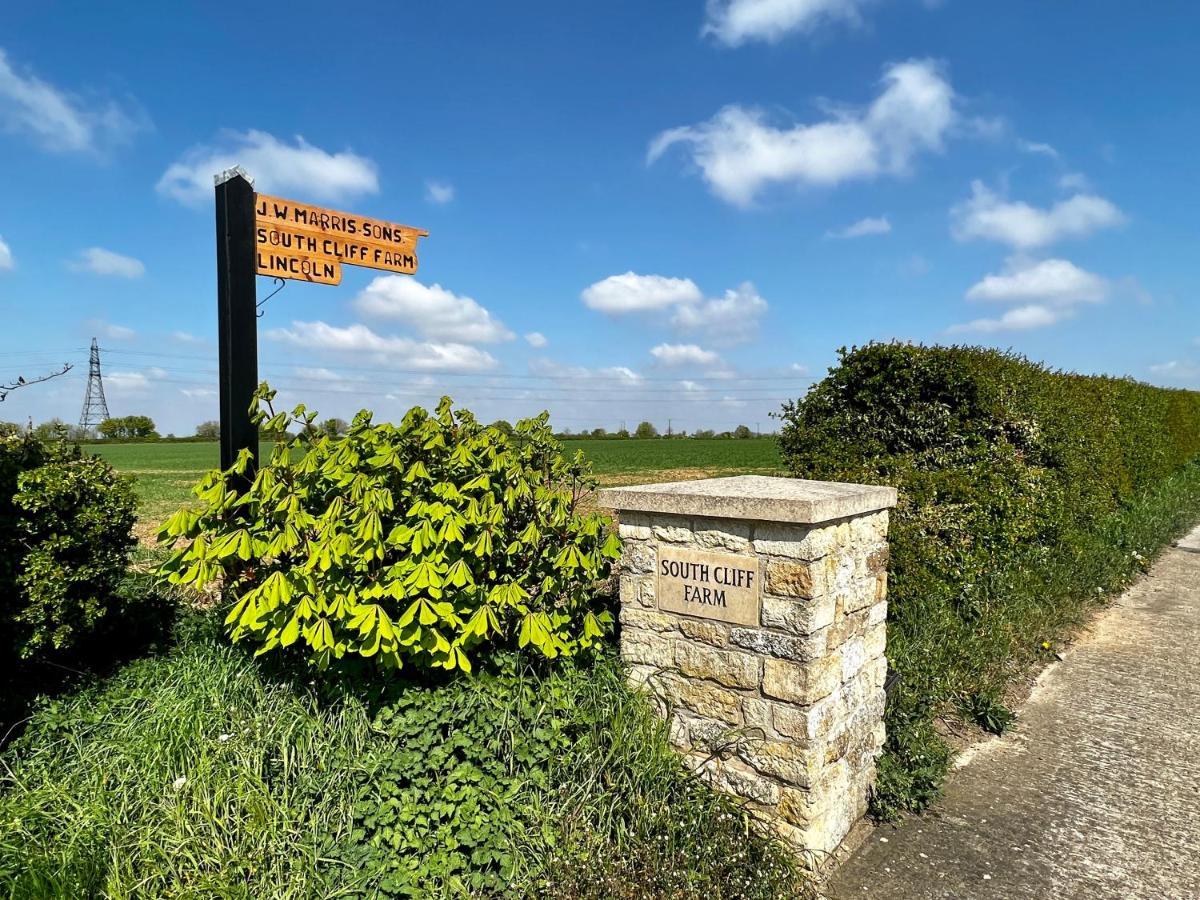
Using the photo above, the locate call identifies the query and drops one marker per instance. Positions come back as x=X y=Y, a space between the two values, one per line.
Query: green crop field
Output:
x=165 y=473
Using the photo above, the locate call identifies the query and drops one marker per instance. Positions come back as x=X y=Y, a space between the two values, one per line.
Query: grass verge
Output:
x=198 y=773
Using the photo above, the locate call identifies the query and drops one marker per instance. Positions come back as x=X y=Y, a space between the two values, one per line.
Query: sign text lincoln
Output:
x=720 y=586
x=309 y=243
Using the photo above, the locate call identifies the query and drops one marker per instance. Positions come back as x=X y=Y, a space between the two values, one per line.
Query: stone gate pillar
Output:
x=754 y=610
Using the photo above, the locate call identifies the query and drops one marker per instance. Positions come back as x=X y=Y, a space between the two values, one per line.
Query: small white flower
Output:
x=179 y=782
x=224 y=737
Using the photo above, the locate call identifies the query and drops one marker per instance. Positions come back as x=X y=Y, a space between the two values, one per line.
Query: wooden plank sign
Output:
x=310 y=243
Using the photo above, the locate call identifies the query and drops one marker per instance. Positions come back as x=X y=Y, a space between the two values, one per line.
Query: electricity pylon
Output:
x=95 y=408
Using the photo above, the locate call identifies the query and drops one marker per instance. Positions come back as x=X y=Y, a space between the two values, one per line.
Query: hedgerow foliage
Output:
x=1010 y=479
x=422 y=542
x=66 y=524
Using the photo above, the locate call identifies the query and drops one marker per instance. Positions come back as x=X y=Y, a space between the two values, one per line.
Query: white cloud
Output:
x=1047 y=291
x=684 y=355
x=863 y=228
x=100 y=328
x=1074 y=181
x=736 y=22
x=620 y=375
x=7 y=264
x=637 y=293
x=727 y=320
x=185 y=337
x=730 y=319
x=439 y=192
x=99 y=261
x=400 y=352
x=133 y=383
x=1037 y=148
x=988 y=216
x=58 y=120
x=1054 y=281
x=198 y=393
x=1022 y=318
x=1177 y=369
x=799 y=368
x=739 y=152
x=536 y=339
x=275 y=166
x=431 y=309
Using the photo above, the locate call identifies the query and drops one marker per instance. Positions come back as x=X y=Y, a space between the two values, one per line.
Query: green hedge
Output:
x=1025 y=494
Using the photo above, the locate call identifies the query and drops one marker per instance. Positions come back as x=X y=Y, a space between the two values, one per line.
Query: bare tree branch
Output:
x=6 y=389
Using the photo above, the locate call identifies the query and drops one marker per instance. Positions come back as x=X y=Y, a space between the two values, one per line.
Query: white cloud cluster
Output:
x=631 y=292
x=7 y=263
x=739 y=151
x=58 y=120
x=737 y=22
x=1047 y=291
x=276 y=167
x=391 y=350
x=863 y=228
x=439 y=193
x=101 y=328
x=988 y=216
x=684 y=355
x=729 y=319
x=1179 y=370
x=99 y=261
x=536 y=340
x=616 y=375
x=430 y=309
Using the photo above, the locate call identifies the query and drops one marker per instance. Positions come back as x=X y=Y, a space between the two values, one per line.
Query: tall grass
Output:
x=196 y=774
x=187 y=775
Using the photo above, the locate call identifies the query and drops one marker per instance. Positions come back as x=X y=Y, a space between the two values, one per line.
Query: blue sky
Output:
x=669 y=210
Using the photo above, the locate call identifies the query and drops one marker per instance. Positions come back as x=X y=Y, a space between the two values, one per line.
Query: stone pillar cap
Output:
x=759 y=498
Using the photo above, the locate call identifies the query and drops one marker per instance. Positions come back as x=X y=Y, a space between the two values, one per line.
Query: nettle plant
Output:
x=424 y=542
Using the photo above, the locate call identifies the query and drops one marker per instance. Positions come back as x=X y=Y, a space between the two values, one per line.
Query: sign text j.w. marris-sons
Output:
x=720 y=586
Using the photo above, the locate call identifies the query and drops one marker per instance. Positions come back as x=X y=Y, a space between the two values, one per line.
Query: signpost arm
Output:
x=237 y=321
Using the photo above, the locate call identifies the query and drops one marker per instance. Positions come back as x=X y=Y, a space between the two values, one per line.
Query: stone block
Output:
x=649 y=648
x=727 y=667
x=648 y=619
x=756 y=713
x=637 y=559
x=803 y=683
x=633 y=532
x=876 y=640
x=853 y=656
x=735 y=777
x=637 y=589
x=723 y=534
x=787 y=761
x=846 y=628
x=811 y=723
x=794 y=578
x=794 y=541
x=673 y=534
x=878 y=614
x=772 y=643
x=798 y=616
x=858 y=594
x=703 y=698
x=713 y=633
x=640 y=675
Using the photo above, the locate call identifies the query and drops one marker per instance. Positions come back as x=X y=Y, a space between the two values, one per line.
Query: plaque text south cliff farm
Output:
x=722 y=586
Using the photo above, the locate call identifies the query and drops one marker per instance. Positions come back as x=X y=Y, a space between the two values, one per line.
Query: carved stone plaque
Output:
x=721 y=586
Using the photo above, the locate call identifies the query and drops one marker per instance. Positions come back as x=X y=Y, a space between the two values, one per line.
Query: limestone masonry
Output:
x=754 y=610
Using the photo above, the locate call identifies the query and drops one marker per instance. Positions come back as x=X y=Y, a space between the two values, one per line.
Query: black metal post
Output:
x=237 y=320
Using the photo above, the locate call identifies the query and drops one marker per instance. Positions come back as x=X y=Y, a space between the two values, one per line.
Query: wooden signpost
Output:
x=262 y=235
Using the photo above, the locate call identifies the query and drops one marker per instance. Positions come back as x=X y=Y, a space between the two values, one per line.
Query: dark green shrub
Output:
x=420 y=542
x=1023 y=494
x=66 y=524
